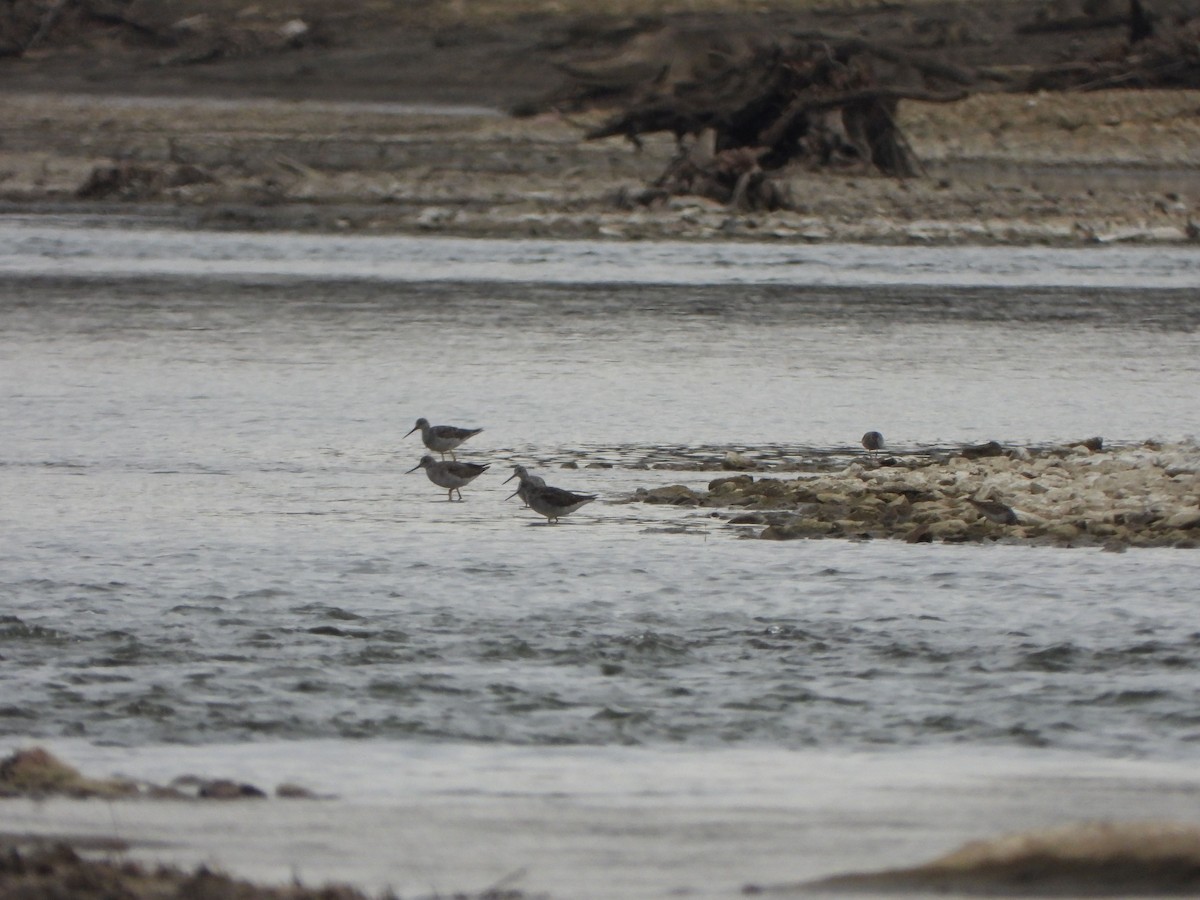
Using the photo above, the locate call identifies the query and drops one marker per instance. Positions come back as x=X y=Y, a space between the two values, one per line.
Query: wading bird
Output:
x=528 y=480
x=443 y=438
x=451 y=475
x=544 y=499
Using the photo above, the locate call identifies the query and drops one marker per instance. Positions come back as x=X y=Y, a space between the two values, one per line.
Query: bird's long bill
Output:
x=513 y=494
x=414 y=428
x=509 y=478
x=414 y=468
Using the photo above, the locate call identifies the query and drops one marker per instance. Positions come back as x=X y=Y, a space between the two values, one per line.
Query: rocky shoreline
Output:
x=1083 y=495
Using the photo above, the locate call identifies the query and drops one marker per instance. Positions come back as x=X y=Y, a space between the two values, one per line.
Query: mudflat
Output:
x=395 y=118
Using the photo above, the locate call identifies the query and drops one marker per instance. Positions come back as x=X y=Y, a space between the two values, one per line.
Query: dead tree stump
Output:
x=743 y=107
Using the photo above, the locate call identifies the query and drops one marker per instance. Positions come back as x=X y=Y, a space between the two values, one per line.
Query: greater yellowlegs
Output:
x=443 y=438
x=451 y=475
x=527 y=482
x=553 y=502
x=873 y=442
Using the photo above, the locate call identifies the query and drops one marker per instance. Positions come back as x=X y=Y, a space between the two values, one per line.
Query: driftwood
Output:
x=1169 y=57
x=741 y=107
x=744 y=105
x=1160 y=49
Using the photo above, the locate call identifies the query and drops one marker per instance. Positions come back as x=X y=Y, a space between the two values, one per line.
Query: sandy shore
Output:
x=1056 y=169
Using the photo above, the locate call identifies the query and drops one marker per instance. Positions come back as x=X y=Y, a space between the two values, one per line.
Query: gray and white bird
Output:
x=544 y=499
x=443 y=438
x=451 y=474
x=873 y=442
x=527 y=481
x=553 y=502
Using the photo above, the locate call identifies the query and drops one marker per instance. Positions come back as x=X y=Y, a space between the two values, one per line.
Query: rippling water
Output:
x=210 y=538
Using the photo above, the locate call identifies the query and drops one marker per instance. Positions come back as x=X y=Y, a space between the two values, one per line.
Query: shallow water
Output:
x=91 y=246
x=209 y=540
x=601 y=822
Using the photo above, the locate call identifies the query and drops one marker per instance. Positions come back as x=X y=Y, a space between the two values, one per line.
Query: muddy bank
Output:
x=1089 y=859
x=1077 y=496
x=206 y=117
x=1131 y=176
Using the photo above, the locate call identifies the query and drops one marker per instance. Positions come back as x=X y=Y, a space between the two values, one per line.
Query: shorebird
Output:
x=872 y=441
x=543 y=499
x=527 y=481
x=994 y=511
x=553 y=502
x=450 y=475
x=443 y=438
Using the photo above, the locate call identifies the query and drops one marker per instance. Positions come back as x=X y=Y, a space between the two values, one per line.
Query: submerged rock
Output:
x=677 y=494
x=731 y=482
x=225 y=789
x=738 y=461
x=979 y=451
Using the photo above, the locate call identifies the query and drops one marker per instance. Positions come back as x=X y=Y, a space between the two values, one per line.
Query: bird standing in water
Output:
x=443 y=438
x=527 y=481
x=544 y=499
x=451 y=475
x=553 y=502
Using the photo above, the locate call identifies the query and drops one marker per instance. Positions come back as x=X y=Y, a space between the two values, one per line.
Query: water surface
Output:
x=209 y=541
